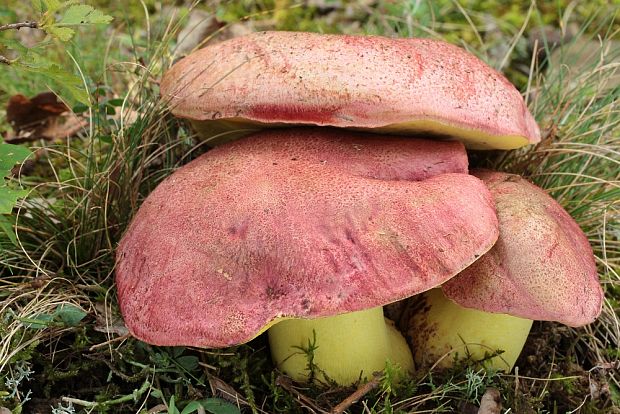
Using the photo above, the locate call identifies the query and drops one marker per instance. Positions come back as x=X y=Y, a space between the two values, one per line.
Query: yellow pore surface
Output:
x=224 y=130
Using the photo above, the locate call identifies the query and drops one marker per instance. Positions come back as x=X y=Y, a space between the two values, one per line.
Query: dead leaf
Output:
x=24 y=113
x=225 y=391
x=42 y=117
x=110 y=324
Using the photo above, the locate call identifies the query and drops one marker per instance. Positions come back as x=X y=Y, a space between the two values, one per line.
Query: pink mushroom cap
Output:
x=299 y=223
x=542 y=266
x=400 y=86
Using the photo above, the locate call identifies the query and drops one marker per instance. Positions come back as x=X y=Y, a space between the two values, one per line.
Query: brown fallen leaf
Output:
x=41 y=117
x=222 y=389
x=25 y=113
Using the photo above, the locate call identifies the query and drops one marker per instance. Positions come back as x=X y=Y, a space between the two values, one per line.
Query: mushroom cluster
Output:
x=324 y=212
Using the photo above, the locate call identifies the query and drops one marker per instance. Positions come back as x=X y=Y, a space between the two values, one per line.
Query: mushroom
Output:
x=403 y=86
x=313 y=224
x=541 y=268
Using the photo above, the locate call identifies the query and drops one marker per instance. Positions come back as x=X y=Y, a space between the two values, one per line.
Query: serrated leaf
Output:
x=62 y=33
x=71 y=315
x=71 y=82
x=83 y=14
x=51 y=6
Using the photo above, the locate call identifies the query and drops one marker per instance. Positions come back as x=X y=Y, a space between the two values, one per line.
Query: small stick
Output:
x=118 y=338
x=17 y=26
x=357 y=394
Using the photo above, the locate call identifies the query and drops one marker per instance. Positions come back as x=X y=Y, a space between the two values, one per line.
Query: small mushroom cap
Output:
x=542 y=266
x=288 y=223
x=400 y=86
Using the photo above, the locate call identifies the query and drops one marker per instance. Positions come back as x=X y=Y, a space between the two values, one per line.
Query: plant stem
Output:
x=17 y=26
x=134 y=396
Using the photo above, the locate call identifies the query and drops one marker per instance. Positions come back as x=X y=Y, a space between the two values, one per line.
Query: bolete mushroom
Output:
x=403 y=86
x=541 y=268
x=302 y=223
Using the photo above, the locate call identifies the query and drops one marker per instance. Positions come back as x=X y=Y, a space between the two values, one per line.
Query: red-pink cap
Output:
x=350 y=81
x=297 y=223
x=542 y=266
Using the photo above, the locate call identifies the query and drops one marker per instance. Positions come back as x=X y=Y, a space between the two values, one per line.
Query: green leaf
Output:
x=6 y=227
x=116 y=102
x=8 y=198
x=188 y=362
x=83 y=14
x=42 y=6
x=32 y=61
x=10 y=155
x=172 y=408
x=51 y=6
x=79 y=108
x=71 y=315
x=37 y=322
x=72 y=83
x=62 y=33
x=219 y=406
x=191 y=407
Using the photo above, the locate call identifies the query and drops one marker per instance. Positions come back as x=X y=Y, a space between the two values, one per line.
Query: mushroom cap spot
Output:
x=542 y=266
x=399 y=86
x=297 y=223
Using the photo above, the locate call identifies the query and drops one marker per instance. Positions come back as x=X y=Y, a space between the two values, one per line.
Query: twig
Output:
x=357 y=394
x=118 y=338
x=17 y=26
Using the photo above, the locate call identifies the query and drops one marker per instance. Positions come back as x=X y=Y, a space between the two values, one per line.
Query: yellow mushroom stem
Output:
x=343 y=348
x=442 y=331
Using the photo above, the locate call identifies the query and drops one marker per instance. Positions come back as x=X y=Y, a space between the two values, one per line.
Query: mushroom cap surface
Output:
x=542 y=266
x=400 y=86
x=289 y=223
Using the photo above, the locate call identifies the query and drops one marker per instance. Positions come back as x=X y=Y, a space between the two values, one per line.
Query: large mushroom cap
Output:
x=393 y=85
x=289 y=223
x=542 y=266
